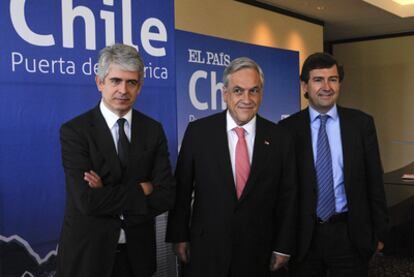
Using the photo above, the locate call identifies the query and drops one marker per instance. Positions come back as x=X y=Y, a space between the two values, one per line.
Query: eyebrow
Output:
x=255 y=87
x=120 y=79
x=322 y=77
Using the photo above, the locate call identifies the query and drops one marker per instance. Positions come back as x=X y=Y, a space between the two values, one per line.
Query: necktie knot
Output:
x=323 y=118
x=121 y=122
x=240 y=132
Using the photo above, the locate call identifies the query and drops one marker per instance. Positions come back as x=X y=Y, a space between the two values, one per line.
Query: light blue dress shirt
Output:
x=333 y=130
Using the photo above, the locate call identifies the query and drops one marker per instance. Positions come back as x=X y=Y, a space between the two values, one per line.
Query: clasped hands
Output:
x=95 y=182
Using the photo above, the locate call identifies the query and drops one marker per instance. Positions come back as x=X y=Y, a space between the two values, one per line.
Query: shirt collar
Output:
x=333 y=113
x=111 y=117
x=249 y=127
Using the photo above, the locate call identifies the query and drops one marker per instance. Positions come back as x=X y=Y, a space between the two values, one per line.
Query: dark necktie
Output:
x=123 y=143
x=324 y=174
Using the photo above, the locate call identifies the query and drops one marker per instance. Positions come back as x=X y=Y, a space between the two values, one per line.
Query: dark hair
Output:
x=318 y=61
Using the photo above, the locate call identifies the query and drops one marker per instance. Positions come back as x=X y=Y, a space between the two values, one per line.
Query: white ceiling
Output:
x=347 y=19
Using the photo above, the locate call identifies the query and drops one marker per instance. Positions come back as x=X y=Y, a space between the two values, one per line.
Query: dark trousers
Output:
x=122 y=266
x=331 y=254
x=282 y=272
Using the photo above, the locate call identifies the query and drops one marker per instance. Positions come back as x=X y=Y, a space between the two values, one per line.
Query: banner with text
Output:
x=200 y=62
x=48 y=59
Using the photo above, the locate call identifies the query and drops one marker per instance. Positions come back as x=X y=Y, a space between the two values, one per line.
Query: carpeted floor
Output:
x=390 y=266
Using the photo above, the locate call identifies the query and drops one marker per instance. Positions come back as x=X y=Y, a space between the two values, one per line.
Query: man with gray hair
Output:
x=240 y=168
x=118 y=177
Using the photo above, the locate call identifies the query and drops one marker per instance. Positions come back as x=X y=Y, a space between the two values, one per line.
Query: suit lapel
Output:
x=105 y=143
x=137 y=133
x=305 y=145
x=223 y=153
x=137 y=146
x=261 y=146
x=305 y=161
x=347 y=138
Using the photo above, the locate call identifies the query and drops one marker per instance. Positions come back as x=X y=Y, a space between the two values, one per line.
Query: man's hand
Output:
x=380 y=246
x=93 y=179
x=277 y=261
x=182 y=250
x=147 y=187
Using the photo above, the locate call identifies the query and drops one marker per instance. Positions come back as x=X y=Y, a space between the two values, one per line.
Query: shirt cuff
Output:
x=281 y=254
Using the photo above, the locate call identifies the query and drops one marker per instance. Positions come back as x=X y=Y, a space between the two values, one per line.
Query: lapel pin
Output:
x=266 y=142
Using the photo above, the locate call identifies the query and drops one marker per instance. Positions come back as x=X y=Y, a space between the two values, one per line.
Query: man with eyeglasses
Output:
x=240 y=168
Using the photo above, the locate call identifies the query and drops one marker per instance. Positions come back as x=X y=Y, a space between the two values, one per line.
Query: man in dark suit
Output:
x=241 y=170
x=342 y=209
x=118 y=177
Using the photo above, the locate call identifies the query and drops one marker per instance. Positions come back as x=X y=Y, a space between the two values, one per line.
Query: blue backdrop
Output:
x=47 y=60
x=201 y=61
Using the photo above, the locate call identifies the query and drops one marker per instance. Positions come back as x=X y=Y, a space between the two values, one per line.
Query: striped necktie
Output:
x=324 y=174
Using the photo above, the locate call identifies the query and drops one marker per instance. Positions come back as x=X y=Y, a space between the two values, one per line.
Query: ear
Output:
x=141 y=84
x=304 y=86
x=99 y=83
x=139 y=89
x=224 y=93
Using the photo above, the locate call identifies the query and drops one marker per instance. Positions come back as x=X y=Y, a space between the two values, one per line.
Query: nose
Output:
x=326 y=85
x=246 y=97
x=122 y=88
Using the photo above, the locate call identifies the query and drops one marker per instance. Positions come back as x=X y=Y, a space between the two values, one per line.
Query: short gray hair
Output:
x=127 y=57
x=242 y=63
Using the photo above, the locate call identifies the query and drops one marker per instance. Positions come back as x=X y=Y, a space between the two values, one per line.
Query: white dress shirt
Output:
x=111 y=119
x=250 y=134
x=232 y=138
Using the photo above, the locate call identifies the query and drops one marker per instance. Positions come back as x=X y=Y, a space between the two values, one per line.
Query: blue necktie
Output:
x=324 y=175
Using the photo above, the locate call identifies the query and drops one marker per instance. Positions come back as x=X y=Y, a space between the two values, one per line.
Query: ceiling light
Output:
x=404 y=8
x=404 y=2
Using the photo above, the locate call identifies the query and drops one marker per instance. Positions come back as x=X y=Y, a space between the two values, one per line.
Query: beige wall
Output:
x=379 y=79
x=241 y=22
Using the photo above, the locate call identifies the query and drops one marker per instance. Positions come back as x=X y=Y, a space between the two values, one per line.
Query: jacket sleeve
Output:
x=163 y=195
x=106 y=201
x=376 y=193
x=179 y=216
x=286 y=206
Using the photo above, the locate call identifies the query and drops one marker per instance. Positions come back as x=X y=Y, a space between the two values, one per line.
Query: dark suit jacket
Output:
x=367 y=211
x=92 y=222
x=226 y=233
